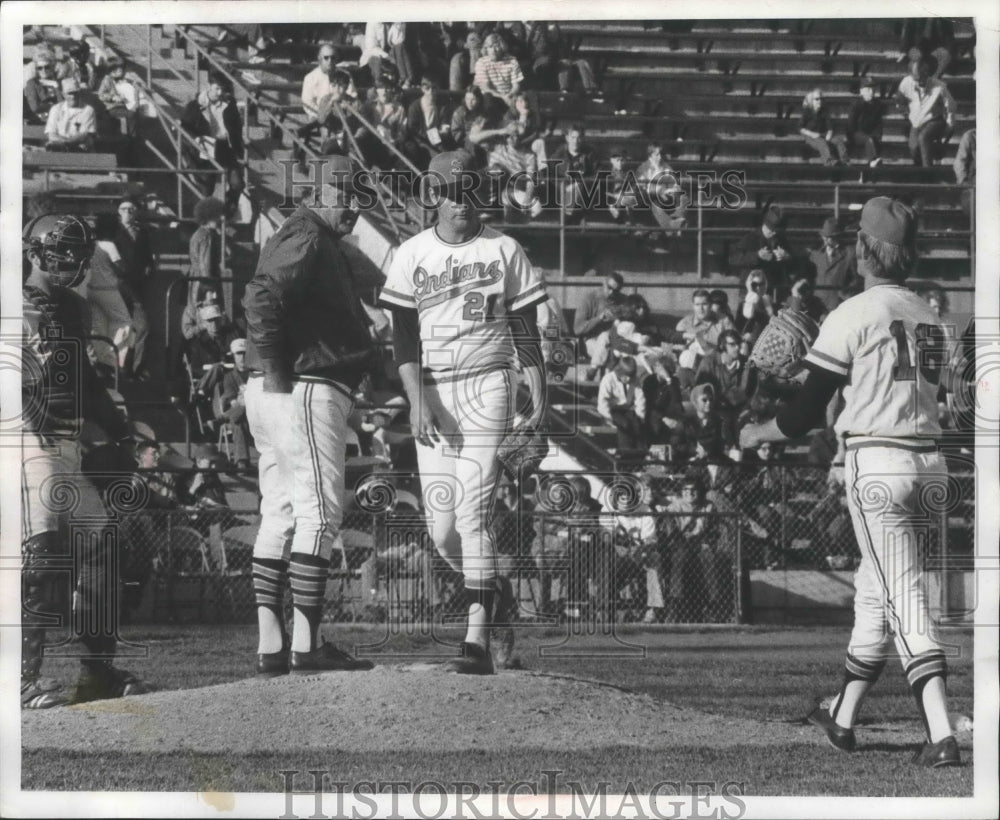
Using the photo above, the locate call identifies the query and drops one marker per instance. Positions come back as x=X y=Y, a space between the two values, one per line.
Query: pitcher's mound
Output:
x=389 y=708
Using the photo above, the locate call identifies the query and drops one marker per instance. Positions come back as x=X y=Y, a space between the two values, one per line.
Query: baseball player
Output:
x=464 y=299
x=59 y=391
x=874 y=347
x=308 y=348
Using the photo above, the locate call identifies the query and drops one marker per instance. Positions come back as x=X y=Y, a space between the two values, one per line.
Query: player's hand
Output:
x=425 y=424
x=277 y=383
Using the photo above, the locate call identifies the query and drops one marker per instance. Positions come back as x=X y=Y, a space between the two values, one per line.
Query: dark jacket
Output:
x=137 y=261
x=840 y=270
x=304 y=314
x=814 y=120
x=866 y=117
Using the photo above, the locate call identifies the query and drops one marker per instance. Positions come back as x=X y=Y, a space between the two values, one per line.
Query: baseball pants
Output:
x=301 y=437
x=884 y=495
x=459 y=475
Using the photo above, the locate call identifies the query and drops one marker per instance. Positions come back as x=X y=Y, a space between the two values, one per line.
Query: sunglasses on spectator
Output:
x=326 y=56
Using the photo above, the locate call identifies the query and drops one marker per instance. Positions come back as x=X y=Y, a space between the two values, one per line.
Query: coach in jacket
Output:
x=308 y=347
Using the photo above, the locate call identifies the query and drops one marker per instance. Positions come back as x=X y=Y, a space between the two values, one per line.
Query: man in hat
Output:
x=864 y=124
x=71 y=124
x=835 y=264
x=766 y=249
x=884 y=349
x=308 y=349
x=464 y=299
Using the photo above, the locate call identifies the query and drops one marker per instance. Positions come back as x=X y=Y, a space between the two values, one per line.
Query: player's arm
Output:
x=265 y=304
x=805 y=412
x=524 y=328
x=406 y=351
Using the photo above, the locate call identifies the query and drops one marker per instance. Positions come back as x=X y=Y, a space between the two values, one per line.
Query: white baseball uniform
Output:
x=464 y=294
x=881 y=340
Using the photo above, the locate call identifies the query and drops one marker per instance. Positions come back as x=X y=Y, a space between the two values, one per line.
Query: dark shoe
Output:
x=936 y=755
x=272 y=664
x=474 y=660
x=105 y=682
x=40 y=693
x=327 y=658
x=502 y=637
x=839 y=737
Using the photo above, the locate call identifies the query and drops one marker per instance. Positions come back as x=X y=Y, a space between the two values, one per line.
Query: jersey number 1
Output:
x=473 y=310
x=932 y=359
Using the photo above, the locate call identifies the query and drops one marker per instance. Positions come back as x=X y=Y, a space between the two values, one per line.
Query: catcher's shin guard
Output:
x=45 y=584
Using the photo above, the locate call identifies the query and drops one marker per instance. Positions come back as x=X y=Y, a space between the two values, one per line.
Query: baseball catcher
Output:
x=781 y=349
x=65 y=552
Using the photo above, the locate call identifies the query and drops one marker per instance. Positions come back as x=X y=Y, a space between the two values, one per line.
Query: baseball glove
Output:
x=521 y=453
x=782 y=346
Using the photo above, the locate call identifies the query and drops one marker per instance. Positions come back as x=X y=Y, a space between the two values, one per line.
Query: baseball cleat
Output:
x=502 y=637
x=474 y=660
x=327 y=658
x=105 y=682
x=936 y=755
x=272 y=664
x=838 y=737
x=41 y=693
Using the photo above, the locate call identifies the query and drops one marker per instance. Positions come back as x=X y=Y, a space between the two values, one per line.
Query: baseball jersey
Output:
x=888 y=342
x=463 y=294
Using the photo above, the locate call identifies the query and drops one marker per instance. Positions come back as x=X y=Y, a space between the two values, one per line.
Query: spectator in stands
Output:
x=725 y=369
x=639 y=336
x=71 y=124
x=232 y=405
x=551 y=66
x=931 y=111
x=666 y=410
x=756 y=309
x=427 y=132
x=965 y=168
x=814 y=125
x=639 y=558
x=386 y=111
x=622 y=203
x=204 y=488
x=719 y=303
x=474 y=126
x=667 y=201
x=803 y=298
x=590 y=568
x=530 y=130
x=621 y=401
x=161 y=487
x=210 y=342
x=768 y=250
x=574 y=157
x=763 y=499
x=110 y=316
x=691 y=550
x=461 y=70
x=41 y=91
x=214 y=121
x=701 y=434
x=317 y=85
x=699 y=332
x=373 y=52
x=514 y=172
x=79 y=67
x=137 y=267
x=864 y=124
x=120 y=95
x=835 y=263
x=205 y=253
x=498 y=74
x=595 y=315
x=929 y=37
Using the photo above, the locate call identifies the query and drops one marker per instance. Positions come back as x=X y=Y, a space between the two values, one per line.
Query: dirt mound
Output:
x=390 y=707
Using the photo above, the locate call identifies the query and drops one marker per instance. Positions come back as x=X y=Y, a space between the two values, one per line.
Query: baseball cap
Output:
x=209 y=312
x=238 y=346
x=70 y=84
x=888 y=220
x=447 y=172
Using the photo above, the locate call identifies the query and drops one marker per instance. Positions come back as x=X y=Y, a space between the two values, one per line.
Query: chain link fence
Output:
x=656 y=548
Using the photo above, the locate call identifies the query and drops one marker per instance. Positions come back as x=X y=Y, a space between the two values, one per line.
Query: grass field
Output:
x=769 y=675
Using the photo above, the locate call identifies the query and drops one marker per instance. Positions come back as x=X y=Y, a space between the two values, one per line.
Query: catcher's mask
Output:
x=62 y=245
